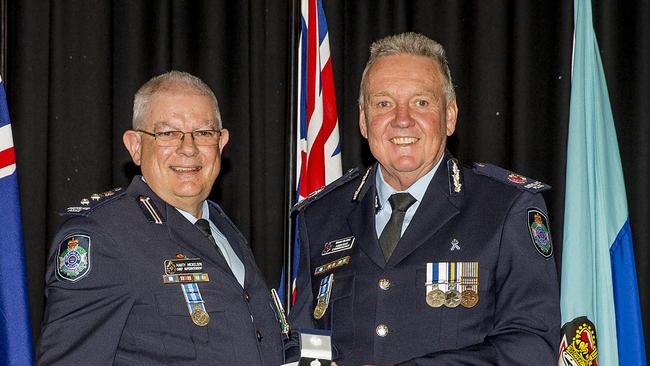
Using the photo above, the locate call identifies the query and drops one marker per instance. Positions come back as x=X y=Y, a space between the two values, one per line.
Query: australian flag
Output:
x=15 y=328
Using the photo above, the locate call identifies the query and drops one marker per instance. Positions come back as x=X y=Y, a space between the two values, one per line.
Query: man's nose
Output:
x=403 y=116
x=187 y=145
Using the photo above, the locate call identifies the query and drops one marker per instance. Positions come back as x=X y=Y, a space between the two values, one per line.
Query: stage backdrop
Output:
x=73 y=67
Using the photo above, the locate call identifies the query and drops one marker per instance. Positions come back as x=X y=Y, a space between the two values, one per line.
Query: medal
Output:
x=452 y=298
x=319 y=310
x=436 y=298
x=200 y=317
x=469 y=284
x=436 y=284
x=469 y=298
x=323 y=298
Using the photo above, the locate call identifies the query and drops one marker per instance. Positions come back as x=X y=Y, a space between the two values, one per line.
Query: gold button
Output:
x=382 y=330
x=384 y=284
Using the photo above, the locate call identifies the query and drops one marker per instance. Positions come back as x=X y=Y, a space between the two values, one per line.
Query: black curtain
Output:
x=73 y=67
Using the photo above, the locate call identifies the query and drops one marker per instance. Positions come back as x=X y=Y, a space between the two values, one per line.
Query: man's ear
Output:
x=223 y=139
x=133 y=142
x=451 y=115
x=363 y=127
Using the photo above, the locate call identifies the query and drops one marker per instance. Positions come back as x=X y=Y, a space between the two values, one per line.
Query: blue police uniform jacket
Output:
x=377 y=311
x=107 y=303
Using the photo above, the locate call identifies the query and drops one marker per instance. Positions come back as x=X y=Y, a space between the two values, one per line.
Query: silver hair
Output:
x=170 y=81
x=409 y=43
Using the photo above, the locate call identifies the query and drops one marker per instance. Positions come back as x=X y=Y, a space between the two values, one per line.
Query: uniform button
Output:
x=246 y=296
x=382 y=330
x=384 y=284
x=259 y=336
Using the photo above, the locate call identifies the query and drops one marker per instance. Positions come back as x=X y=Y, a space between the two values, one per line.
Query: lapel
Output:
x=187 y=236
x=235 y=239
x=435 y=210
x=180 y=231
x=362 y=221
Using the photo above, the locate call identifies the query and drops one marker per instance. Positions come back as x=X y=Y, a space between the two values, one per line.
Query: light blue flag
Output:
x=599 y=296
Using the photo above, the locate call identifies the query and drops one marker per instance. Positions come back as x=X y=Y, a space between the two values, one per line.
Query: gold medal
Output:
x=200 y=317
x=435 y=298
x=469 y=298
x=452 y=298
x=320 y=309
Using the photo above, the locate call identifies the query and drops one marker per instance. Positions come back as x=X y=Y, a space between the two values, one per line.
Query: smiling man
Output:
x=156 y=274
x=421 y=260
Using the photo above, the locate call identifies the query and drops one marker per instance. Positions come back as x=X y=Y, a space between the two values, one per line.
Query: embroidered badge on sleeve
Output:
x=73 y=257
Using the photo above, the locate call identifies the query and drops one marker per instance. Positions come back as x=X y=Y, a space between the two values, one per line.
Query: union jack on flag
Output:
x=318 y=160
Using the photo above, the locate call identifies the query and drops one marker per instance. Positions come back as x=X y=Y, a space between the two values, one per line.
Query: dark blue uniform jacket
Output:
x=517 y=318
x=121 y=313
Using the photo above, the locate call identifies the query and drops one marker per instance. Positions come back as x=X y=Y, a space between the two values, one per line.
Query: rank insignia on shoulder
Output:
x=505 y=176
x=96 y=200
x=329 y=267
x=540 y=232
x=73 y=257
x=338 y=245
x=348 y=176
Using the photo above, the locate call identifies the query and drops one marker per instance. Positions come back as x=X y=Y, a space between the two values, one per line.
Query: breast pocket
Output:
x=454 y=327
x=180 y=335
x=341 y=319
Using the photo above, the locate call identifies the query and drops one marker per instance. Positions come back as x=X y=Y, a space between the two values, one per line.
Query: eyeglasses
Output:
x=175 y=138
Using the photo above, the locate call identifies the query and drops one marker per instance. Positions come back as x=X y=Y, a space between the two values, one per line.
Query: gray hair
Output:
x=170 y=81
x=409 y=43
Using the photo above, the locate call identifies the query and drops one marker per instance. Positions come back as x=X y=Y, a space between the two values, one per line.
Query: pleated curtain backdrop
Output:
x=73 y=67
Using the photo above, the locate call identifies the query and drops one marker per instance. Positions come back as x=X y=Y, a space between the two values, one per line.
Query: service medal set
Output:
x=188 y=273
x=452 y=284
x=325 y=288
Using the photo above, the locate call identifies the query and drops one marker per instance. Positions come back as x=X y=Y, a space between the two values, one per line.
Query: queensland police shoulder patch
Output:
x=73 y=257
x=540 y=232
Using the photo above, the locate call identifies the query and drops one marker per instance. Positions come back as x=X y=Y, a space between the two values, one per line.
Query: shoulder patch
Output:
x=540 y=232
x=505 y=176
x=73 y=257
x=96 y=200
x=348 y=176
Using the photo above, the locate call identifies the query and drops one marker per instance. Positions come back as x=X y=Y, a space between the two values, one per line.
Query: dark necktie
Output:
x=204 y=226
x=400 y=202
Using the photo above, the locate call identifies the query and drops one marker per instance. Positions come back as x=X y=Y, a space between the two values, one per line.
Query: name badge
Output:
x=183 y=266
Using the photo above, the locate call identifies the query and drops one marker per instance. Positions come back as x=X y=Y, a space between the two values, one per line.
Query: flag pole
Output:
x=290 y=175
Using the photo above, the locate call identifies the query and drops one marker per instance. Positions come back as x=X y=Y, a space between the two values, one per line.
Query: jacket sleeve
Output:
x=85 y=315
x=526 y=326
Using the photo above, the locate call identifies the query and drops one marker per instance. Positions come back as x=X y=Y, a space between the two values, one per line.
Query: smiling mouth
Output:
x=404 y=140
x=179 y=169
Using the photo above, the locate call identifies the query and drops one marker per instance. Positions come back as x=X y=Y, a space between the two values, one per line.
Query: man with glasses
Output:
x=155 y=273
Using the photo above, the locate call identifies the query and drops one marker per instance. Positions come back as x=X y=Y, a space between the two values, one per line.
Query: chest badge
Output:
x=338 y=245
x=454 y=245
x=328 y=267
